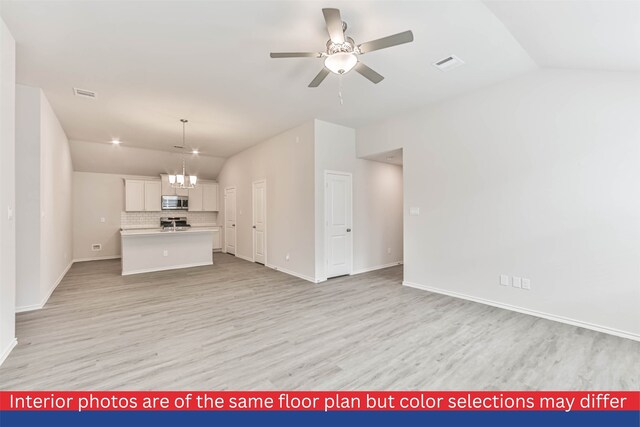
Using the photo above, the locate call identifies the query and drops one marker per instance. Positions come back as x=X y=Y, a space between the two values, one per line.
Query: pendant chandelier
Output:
x=182 y=180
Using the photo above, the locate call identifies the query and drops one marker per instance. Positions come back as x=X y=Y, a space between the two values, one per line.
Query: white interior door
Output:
x=230 y=220
x=338 y=208
x=259 y=222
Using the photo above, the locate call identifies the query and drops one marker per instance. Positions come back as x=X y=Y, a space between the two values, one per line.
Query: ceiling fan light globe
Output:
x=341 y=62
x=193 y=180
x=180 y=179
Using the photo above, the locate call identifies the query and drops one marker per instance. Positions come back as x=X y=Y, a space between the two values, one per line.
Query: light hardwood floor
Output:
x=238 y=325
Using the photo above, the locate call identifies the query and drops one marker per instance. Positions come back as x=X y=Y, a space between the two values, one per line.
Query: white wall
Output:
x=96 y=196
x=7 y=192
x=377 y=200
x=286 y=161
x=56 y=183
x=28 y=195
x=44 y=199
x=535 y=177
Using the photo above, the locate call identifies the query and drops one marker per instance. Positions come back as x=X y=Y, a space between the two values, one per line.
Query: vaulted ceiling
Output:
x=152 y=63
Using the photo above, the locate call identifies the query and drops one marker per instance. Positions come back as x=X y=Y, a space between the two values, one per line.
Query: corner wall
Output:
x=44 y=200
x=286 y=162
x=536 y=177
x=7 y=192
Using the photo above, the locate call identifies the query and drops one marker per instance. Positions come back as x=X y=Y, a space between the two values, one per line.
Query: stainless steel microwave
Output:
x=171 y=203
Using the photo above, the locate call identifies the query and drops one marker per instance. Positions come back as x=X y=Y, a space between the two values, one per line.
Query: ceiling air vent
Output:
x=84 y=93
x=448 y=63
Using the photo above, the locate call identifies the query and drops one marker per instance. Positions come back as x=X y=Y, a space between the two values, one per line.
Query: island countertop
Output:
x=153 y=231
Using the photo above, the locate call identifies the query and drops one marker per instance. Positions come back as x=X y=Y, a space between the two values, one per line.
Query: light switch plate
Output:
x=504 y=280
x=517 y=282
x=526 y=284
x=414 y=211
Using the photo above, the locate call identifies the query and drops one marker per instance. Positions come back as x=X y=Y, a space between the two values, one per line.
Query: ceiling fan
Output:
x=341 y=53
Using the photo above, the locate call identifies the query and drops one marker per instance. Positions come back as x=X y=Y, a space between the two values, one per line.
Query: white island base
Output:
x=144 y=251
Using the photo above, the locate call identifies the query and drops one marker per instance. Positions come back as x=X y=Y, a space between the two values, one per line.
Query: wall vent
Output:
x=448 y=63
x=84 y=93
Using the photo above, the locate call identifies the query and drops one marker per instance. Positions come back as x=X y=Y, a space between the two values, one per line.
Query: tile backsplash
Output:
x=152 y=219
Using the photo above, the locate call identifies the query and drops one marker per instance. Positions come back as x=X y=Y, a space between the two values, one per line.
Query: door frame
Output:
x=253 y=218
x=328 y=172
x=224 y=225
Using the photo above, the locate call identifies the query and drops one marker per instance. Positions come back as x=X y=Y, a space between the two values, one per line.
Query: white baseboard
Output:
x=536 y=313
x=97 y=258
x=246 y=258
x=293 y=273
x=174 y=267
x=42 y=303
x=6 y=352
x=377 y=267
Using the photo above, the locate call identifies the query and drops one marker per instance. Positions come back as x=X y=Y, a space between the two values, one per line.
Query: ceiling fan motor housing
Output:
x=349 y=46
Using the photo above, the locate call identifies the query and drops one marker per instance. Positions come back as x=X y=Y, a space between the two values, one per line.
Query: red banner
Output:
x=566 y=401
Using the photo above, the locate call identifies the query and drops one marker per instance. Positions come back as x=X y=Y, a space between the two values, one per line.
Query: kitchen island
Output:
x=155 y=249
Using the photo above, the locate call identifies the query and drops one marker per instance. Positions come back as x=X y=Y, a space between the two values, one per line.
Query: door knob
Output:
x=254 y=226
x=348 y=230
x=233 y=225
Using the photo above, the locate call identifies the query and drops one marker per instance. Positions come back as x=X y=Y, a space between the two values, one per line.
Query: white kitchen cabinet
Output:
x=204 y=197
x=134 y=195
x=217 y=241
x=141 y=195
x=210 y=196
x=152 y=196
x=195 y=198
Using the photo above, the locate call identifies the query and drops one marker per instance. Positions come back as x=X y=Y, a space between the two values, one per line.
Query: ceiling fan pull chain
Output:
x=340 y=89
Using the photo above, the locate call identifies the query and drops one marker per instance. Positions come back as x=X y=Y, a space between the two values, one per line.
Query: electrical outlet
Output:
x=414 y=211
x=504 y=280
x=165 y=253
x=287 y=257
x=96 y=247
x=388 y=250
x=517 y=282
x=103 y=219
x=526 y=284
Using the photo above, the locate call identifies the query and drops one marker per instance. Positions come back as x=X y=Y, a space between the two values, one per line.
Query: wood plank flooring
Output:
x=238 y=325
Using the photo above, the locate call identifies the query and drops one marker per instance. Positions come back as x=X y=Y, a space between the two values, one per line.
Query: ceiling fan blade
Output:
x=334 y=25
x=295 y=54
x=386 y=42
x=319 y=78
x=368 y=72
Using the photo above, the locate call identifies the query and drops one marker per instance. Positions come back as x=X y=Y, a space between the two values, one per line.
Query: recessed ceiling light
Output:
x=195 y=152
x=116 y=141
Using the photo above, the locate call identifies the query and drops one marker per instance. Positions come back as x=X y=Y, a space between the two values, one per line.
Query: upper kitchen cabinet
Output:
x=142 y=195
x=134 y=195
x=168 y=190
x=152 y=196
x=195 y=198
x=210 y=196
x=204 y=197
